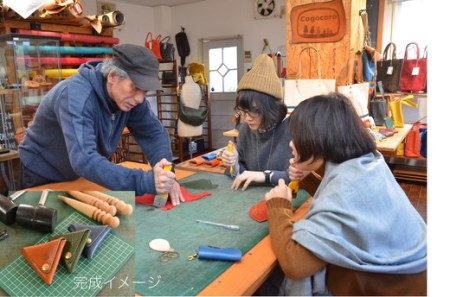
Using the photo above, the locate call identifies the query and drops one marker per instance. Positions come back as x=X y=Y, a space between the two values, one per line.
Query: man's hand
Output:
x=280 y=191
x=175 y=194
x=248 y=177
x=164 y=180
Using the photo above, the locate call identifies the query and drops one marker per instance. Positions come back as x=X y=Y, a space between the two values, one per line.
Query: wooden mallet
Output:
x=92 y=212
x=94 y=201
x=122 y=207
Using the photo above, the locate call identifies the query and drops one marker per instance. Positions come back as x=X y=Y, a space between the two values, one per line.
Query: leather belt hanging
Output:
x=318 y=22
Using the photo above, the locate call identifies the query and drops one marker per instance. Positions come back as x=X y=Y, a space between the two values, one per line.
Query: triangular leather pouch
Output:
x=96 y=237
x=258 y=212
x=44 y=258
x=73 y=248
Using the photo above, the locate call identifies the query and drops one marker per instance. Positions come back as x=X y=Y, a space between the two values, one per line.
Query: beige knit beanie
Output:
x=262 y=78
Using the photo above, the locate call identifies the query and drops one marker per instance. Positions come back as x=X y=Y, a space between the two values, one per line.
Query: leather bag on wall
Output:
x=389 y=69
x=153 y=44
x=167 y=49
x=299 y=89
x=413 y=77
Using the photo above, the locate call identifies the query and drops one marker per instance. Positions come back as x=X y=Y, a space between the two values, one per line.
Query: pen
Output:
x=3 y=235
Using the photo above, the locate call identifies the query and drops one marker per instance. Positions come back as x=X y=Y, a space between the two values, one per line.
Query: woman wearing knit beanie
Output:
x=262 y=152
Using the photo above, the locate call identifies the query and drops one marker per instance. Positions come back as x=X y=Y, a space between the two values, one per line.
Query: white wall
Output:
x=218 y=18
x=206 y=19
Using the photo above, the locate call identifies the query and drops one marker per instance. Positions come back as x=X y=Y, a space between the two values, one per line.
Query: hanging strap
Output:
x=417 y=51
x=310 y=64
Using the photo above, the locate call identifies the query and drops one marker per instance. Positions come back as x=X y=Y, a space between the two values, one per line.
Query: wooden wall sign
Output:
x=318 y=22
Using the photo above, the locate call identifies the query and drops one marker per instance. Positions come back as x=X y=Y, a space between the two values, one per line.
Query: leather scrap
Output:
x=44 y=258
x=259 y=213
x=197 y=161
x=148 y=199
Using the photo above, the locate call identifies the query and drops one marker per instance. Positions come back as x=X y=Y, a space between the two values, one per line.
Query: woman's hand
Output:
x=280 y=191
x=295 y=173
x=229 y=158
x=248 y=177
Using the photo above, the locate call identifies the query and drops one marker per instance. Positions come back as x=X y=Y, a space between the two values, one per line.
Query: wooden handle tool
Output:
x=230 y=149
x=94 y=201
x=122 y=207
x=161 y=199
x=294 y=186
x=92 y=212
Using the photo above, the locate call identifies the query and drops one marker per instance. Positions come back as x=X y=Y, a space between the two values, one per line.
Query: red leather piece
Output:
x=148 y=199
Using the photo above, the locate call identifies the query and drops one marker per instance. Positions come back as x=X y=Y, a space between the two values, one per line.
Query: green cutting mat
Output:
x=182 y=277
x=89 y=277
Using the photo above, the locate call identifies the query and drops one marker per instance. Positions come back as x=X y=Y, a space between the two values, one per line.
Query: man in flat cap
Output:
x=78 y=126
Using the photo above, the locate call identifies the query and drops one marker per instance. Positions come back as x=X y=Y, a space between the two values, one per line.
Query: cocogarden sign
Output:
x=318 y=22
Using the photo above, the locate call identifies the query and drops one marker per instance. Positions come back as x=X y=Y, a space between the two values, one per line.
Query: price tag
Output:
x=415 y=71
x=390 y=70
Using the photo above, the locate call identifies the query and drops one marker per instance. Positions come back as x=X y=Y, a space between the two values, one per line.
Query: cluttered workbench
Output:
x=146 y=273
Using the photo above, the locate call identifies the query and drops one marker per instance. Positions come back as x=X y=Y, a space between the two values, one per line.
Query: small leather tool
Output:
x=222 y=254
x=8 y=208
x=96 y=237
x=38 y=217
x=161 y=199
x=75 y=243
x=44 y=258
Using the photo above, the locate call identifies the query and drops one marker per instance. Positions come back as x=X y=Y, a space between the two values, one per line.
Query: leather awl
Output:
x=161 y=199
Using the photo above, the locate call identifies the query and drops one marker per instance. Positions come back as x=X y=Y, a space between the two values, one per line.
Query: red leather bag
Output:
x=154 y=44
x=413 y=77
x=413 y=141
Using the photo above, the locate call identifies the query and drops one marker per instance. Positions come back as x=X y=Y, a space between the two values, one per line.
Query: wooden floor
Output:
x=417 y=193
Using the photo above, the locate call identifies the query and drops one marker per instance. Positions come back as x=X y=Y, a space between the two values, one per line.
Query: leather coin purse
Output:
x=73 y=248
x=96 y=237
x=44 y=258
x=214 y=253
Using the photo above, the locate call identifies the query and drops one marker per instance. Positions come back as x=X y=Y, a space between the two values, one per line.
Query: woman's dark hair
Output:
x=328 y=127
x=272 y=110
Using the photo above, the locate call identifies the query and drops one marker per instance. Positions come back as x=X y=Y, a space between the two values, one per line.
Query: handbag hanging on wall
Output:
x=413 y=77
x=153 y=44
x=389 y=69
x=167 y=49
x=297 y=90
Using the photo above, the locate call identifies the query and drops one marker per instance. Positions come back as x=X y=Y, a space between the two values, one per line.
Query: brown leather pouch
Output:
x=44 y=258
x=73 y=248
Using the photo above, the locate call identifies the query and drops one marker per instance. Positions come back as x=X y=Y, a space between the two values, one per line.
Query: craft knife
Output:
x=161 y=199
x=229 y=227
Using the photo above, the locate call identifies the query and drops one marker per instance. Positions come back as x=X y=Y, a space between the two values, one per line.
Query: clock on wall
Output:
x=265 y=9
